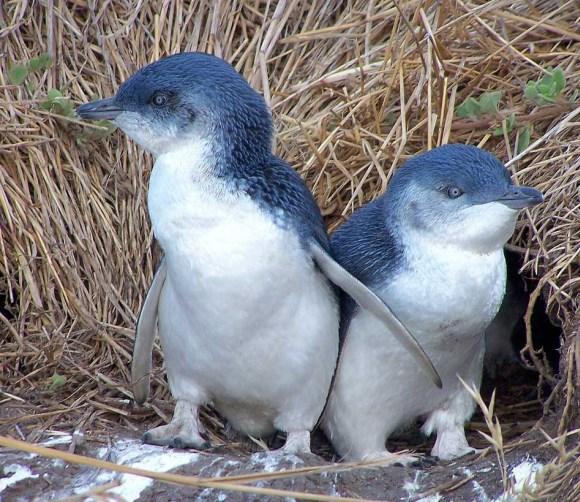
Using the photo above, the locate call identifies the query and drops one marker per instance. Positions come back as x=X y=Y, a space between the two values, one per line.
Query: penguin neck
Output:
x=234 y=163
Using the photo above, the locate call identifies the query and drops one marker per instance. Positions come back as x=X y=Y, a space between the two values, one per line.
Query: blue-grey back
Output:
x=366 y=247
x=279 y=190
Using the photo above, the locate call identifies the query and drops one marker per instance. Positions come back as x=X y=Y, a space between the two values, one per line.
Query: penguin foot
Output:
x=398 y=459
x=184 y=431
x=166 y=435
x=452 y=444
x=297 y=443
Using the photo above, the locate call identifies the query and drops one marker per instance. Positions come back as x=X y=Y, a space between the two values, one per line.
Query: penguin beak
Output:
x=103 y=109
x=519 y=197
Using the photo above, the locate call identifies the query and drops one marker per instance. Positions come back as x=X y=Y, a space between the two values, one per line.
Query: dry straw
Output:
x=356 y=87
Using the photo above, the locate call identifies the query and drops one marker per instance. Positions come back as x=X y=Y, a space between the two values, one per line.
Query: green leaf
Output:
x=56 y=381
x=559 y=80
x=64 y=107
x=489 y=102
x=34 y=64
x=57 y=103
x=510 y=123
x=524 y=137
x=53 y=94
x=108 y=126
x=45 y=60
x=468 y=109
x=17 y=74
x=530 y=92
x=545 y=89
x=41 y=62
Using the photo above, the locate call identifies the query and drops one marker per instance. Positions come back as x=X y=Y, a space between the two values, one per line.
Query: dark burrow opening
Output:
x=8 y=301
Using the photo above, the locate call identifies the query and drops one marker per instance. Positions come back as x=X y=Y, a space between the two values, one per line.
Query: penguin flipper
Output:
x=145 y=336
x=370 y=301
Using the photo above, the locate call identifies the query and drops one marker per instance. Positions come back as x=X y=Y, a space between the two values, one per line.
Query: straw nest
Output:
x=355 y=86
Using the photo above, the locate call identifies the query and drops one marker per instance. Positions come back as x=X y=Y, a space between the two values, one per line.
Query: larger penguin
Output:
x=247 y=317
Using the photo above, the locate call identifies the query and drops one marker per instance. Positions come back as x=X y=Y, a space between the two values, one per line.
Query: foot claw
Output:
x=178 y=443
x=451 y=444
x=297 y=443
x=424 y=462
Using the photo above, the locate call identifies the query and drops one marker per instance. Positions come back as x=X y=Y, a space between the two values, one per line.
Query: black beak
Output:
x=519 y=197
x=104 y=109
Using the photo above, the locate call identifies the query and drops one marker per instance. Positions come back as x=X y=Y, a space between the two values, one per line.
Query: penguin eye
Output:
x=453 y=192
x=159 y=99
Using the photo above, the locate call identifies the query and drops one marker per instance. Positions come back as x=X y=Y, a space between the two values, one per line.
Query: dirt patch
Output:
x=475 y=477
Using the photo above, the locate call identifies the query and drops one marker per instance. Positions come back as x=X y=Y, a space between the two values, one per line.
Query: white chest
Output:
x=220 y=246
x=245 y=319
x=449 y=294
x=194 y=213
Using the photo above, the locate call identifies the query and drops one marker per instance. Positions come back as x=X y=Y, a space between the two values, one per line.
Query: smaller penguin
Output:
x=432 y=248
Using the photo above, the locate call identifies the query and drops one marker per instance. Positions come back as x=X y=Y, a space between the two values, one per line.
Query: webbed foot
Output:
x=184 y=430
x=452 y=444
x=398 y=459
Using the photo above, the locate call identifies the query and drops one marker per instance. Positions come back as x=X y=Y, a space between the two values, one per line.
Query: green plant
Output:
x=488 y=102
x=525 y=134
x=509 y=124
x=57 y=103
x=545 y=90
x=17 y=73
x=56 y=382
x=101 y=129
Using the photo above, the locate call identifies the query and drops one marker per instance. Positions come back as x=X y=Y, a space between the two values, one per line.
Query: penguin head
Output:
x=458 y=194
x=189 y=98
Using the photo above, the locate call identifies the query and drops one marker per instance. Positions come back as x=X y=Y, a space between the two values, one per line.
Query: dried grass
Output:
x=355 y=86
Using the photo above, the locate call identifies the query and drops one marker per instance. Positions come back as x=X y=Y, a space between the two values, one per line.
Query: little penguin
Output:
x=247 y=316
x=432 y=248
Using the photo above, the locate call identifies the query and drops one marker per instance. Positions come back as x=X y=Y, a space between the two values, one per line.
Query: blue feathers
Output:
x=476 y=172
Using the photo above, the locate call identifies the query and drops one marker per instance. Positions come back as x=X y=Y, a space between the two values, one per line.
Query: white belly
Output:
x=246 y=321
x=447 y=302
